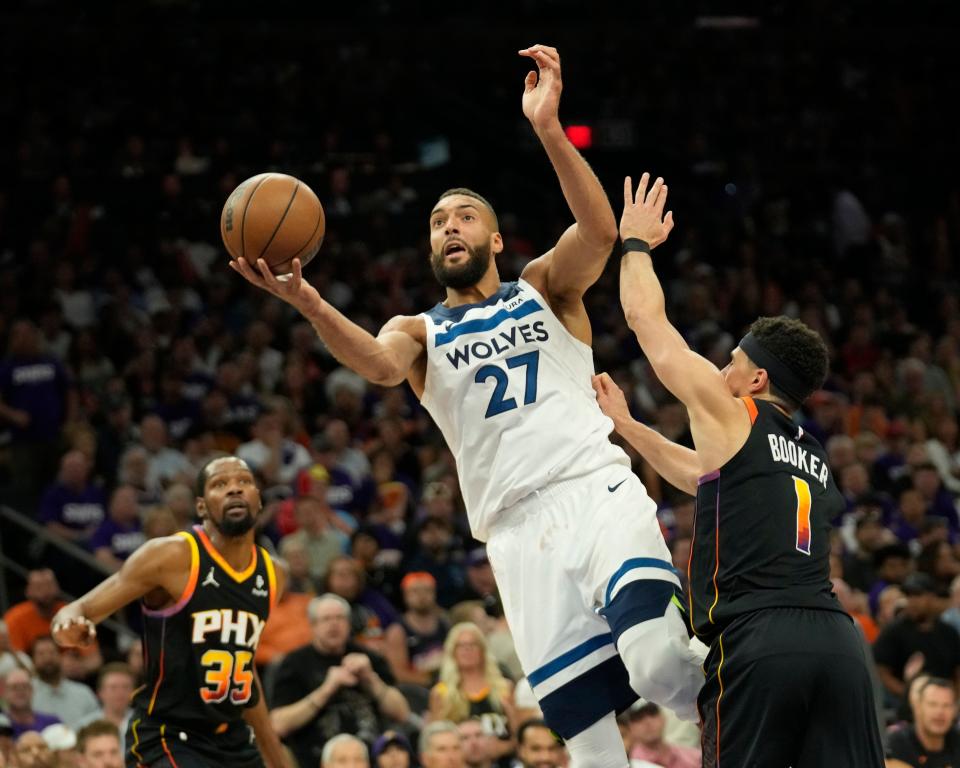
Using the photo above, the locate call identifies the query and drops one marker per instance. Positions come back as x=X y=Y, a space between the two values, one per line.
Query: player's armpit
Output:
x=159 y=564
x=573 y=265
x=402 y=343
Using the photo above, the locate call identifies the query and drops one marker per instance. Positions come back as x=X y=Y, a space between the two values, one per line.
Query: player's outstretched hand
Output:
x=292 y=288
x=643 y=213
x=77 y=632
x=541 y=89
x=610 y=398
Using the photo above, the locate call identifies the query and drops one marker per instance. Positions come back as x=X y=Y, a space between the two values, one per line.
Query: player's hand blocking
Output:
x=610 y=398
x=643 y=214
x=292 y=288
x=541 y=91
x=77 y=632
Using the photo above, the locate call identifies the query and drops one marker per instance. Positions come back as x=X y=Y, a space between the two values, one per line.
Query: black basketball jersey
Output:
x=762 y=526
x=198 y=653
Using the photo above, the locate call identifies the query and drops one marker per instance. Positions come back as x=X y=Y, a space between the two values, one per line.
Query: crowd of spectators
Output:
x=807 y=174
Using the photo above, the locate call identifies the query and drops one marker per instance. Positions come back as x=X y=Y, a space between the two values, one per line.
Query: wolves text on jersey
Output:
x=245 y=627
x=788 y=452
x=498 y=343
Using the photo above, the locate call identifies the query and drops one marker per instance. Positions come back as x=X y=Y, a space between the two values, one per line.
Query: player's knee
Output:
x=661 y=664
x=599 y=746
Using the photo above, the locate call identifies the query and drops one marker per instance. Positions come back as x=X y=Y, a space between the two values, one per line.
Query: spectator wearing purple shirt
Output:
x=18 y=693
x=35 y=402
x=177 y=412
x=909 y=519
x=73 y=507
x=121 y=533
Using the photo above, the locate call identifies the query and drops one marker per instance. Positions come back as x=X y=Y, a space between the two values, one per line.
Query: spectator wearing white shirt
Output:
x=115 y=684
x=165 y=465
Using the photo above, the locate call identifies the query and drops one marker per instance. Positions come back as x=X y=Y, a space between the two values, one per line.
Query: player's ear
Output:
x=760 y=381
x=201 y=508
x=496 y=243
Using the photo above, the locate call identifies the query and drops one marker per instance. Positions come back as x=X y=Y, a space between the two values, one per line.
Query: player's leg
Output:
x=566 y=649
x=636 y=587
x=598 y=745
x=651 y=638
x=841 y=729
x=752 y=703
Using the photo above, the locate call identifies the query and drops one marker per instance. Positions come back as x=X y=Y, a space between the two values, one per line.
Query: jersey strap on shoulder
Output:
x=271 y=576
x=191 y=584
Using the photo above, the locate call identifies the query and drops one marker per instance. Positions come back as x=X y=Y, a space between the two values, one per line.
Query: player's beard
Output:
x=463 y=275
x=234 y=527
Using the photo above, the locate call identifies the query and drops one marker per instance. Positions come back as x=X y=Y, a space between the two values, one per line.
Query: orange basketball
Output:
x=273 y=217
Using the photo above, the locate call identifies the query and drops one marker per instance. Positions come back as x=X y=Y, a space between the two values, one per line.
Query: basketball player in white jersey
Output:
x=505 y=369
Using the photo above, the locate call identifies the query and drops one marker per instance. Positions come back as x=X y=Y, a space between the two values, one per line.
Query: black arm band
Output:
x=636 y=244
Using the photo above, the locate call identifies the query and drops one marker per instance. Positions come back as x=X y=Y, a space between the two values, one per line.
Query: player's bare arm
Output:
x=159 y=571
x=677 y=464
x=385 y=359
x=719 y=422
x=565 y=272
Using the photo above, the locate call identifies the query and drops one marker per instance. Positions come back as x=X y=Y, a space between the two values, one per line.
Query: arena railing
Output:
x=19 y=563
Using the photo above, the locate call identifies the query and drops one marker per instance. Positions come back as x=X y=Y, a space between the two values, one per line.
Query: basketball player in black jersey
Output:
x=786 y=679
x=206 y=595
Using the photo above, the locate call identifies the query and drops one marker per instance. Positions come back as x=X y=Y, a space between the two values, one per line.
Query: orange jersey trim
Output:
x=156 y=687
x=751 y=409
x=238 y=576
x=719 y=696
x=166 y=749
x=191 y=585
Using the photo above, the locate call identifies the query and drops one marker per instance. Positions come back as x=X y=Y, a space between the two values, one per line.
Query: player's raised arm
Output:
x=160 y=564
x=582 y=251
x=692 y=379
x=384 y=359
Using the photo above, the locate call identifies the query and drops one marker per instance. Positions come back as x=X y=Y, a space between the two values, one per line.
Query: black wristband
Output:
x=636 y=244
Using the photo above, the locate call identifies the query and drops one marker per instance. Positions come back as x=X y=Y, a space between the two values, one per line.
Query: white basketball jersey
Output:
x=509 y=387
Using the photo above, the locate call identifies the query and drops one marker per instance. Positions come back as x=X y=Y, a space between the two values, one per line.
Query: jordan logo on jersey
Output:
x=210 y=581
x=258 y=590
x=240 y=627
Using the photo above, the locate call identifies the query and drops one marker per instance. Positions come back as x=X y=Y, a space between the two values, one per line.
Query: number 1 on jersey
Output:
x=499 y=404
x=802 y=487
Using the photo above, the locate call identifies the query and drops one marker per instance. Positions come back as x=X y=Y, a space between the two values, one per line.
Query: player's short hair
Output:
x=204 y=474
x=476 y=196
x=94 y=730
x=794 y=341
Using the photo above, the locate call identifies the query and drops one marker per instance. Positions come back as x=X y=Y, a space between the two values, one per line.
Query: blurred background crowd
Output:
x=809 y=158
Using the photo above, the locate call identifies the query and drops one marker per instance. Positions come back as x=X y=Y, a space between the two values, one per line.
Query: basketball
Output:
x=273 y=217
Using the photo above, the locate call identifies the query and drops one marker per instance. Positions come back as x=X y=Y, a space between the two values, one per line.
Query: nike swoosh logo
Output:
x=612 y=488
